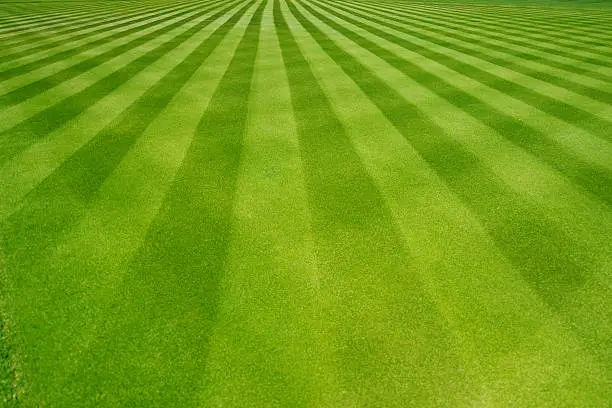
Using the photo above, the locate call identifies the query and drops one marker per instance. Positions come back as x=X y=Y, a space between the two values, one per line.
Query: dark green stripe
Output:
x=493 y=31
x=559 y=109
x=354 y=230
x=548 y=259
x=554 y=265
x=50 y=23
x=16 y=20
x=582 y=27
x=45 y=37
x=28 y=16
x=540 y=35
x=106 y=21
x=592 y=92
x=25 y=134
x=546 y=15
x=62 y=55
x=32 y=89
x=591 y=177
x=62 y=20
x=187 y=242
x=62 y=197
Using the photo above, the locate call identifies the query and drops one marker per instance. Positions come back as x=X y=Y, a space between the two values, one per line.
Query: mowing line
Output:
x=579 y=40
x=114 y=225
x=25 y=134
x=32 y=89
x=589 y=27
x=187 y=240
x=499 y=53
x=554 y=265
x=48 y=33
x=26 y=170
x=590 y=176
x=495 y=13
x=15 y=45
x=496 y=323
x=270 y=344
x=60 y=55
x=77 y=33
x=65 y=64
x=19 y=113
x=490 y=33
x=79 y=177
x=66 y=18
x=28 y=19
x=490 y=76
x=359 y=252
x=548 y=260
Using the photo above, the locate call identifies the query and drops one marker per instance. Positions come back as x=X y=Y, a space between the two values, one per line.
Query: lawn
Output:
x=305 y=203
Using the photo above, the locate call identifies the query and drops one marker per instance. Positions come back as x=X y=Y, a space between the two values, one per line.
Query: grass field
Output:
x=348 y=203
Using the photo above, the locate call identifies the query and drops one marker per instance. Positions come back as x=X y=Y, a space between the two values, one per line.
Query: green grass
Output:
x=305 y=203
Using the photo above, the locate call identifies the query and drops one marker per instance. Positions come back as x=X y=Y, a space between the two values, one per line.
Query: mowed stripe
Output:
x=61 y=198
x=454 y=256
x=572 y=37
x=77 y=18
x=491 y=35
x=283 y=204
x=23 y=172
x=573 y=40
x=21 y=112
x=553 y=264
x=187 y=242
x=561 y=103
x=363 y=263
x=270 y=302
x=498 y=52
x=593 y=177
x=28 y=48
x=557 y=58
x=34 y=62
x=23 y=135
x=49 y=18
x=466 y=61
x=51 y=34
x=34 y=88
x=48 y=71
x=591 y=30
x=577 y=213
x=78 y=32
x=89 y=260
x=544 y=17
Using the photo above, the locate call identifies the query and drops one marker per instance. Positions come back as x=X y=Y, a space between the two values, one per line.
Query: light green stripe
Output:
x=270 y=345
x=26 y=170
x=49 y=37
x=114 y=227
x=505 y=50
x=600 y=109
x=581 y=143
x=492 y=18
x=495 y=318
x=545 y=55
x=16 y=114
x=366 y=266
x=525 y=174
x=32 y=58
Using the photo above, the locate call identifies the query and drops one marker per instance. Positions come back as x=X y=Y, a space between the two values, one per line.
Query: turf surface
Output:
x=305 y=203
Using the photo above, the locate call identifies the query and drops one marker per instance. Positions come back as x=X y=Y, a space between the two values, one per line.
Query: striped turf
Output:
x=305 y=203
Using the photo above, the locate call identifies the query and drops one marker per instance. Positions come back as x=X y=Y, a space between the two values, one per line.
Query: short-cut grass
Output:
x=347 y=203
